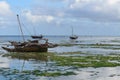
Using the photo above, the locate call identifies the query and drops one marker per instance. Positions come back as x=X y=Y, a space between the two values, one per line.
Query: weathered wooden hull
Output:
x=39 y=48
x=25 y=49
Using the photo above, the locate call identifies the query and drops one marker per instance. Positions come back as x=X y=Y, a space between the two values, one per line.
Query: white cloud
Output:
x=97 y=10
x=6 y=15
x=100 y=10
x=37 y=18
x=5 y=9
x=49 y=18
x=113 y=2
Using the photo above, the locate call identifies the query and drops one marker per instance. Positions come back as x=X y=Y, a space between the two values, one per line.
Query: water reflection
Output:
x=4 y=62
x=28 y=56
x=24 y=61
x=109 y=73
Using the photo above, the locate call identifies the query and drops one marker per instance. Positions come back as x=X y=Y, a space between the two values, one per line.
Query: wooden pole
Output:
x=20 y=28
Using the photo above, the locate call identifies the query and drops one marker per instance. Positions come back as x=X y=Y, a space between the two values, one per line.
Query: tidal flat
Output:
x=64 y=64
x=90 y=58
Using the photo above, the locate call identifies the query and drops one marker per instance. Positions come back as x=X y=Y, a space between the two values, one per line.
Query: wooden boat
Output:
x=27 y=46
x=73 y=36
x=37 y=36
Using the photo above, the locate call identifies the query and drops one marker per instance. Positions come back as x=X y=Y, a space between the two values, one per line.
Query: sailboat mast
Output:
x=20 y=27
x=34 y=30
x=72 y=30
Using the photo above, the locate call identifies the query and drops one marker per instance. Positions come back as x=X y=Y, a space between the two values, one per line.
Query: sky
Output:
x=56 y=17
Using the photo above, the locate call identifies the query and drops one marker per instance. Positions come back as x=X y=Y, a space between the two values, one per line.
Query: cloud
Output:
x=62 y=13
x=37 y=18
x=6 y=14
x=5 y=9
x=97 y=10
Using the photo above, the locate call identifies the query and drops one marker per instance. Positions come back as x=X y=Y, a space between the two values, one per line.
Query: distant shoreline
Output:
x=63 y=35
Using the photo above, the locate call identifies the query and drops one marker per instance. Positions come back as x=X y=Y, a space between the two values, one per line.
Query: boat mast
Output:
x=72 y=30
x=20 y=27
x=34 y=30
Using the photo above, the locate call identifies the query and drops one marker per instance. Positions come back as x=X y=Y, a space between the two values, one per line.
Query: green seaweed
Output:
x=27 y=56
x=54 y=74
x=75 y=61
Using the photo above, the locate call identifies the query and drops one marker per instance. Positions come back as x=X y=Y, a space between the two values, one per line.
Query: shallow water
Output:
x=108 y=73
x=104 y=73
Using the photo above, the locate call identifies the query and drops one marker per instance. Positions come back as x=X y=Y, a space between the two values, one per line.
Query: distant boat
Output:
x=37 y=36
x=73 y=36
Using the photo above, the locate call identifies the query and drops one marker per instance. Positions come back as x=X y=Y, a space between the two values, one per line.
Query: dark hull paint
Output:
x=27 y=49
x=40 y=37
x=73 y=37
